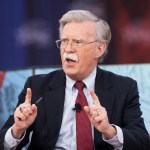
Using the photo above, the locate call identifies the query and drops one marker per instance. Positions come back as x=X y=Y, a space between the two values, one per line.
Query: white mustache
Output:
x=71 y=56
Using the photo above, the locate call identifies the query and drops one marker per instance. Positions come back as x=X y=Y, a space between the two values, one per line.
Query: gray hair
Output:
x=103 y=33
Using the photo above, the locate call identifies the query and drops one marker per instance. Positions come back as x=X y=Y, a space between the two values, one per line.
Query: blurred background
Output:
x=29 y=29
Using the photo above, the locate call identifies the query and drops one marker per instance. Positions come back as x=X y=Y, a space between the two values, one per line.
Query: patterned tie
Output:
x=83 y=125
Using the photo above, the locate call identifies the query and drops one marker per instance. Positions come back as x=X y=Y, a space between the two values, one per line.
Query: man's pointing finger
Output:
x=28 y=96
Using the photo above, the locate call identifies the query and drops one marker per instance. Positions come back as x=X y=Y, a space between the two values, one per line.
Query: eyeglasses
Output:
x=74 y=43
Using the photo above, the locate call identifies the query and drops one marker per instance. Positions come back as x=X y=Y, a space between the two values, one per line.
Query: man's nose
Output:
x=69 y=48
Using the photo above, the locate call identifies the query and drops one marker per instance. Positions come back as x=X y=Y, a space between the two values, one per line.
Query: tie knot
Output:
x=79 y=85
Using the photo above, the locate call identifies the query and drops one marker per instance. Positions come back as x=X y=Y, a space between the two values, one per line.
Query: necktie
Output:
x=83 y=125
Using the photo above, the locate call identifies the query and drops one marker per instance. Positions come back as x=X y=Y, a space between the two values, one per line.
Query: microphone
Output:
x=77 y=107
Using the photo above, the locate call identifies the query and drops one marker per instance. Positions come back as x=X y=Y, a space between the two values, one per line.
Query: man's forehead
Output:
x=82 y=29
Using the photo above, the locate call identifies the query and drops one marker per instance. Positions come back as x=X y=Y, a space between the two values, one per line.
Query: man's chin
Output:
x=71 y=75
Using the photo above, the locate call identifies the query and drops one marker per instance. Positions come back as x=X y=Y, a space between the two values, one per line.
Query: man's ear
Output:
x=101 y=49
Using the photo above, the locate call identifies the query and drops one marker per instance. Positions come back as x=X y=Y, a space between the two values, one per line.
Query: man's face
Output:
x=79 y=60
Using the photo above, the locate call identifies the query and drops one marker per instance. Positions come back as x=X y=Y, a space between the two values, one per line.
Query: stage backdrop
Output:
x=29 y=29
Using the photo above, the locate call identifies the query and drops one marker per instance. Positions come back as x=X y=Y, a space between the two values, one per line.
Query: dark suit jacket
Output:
x=118 y=94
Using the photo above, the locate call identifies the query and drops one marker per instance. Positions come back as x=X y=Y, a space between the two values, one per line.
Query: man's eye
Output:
x=64 y=41
x=79 y=41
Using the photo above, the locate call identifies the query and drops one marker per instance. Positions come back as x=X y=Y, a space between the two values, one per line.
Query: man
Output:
x=112 y=101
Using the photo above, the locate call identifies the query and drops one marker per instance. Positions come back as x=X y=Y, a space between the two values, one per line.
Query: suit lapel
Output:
x=104 y=91
x=54 y=104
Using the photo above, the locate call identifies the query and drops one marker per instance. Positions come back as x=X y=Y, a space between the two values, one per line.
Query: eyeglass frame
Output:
x=74 y=41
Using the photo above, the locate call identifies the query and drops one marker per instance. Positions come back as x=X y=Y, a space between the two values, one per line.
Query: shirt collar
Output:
x=89 y=81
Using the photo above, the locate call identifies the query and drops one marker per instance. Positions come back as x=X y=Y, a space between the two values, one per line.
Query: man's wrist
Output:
x=117 y=140
x=110 y=132
x=16 y=132
x=10 y=142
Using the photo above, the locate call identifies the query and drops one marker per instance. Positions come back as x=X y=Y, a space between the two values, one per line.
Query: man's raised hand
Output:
x=24 y=115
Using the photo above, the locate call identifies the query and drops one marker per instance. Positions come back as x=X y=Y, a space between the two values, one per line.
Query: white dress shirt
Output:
x=67 y=135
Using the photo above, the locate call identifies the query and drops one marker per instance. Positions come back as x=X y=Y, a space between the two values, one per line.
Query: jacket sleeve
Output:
x=134 y=131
